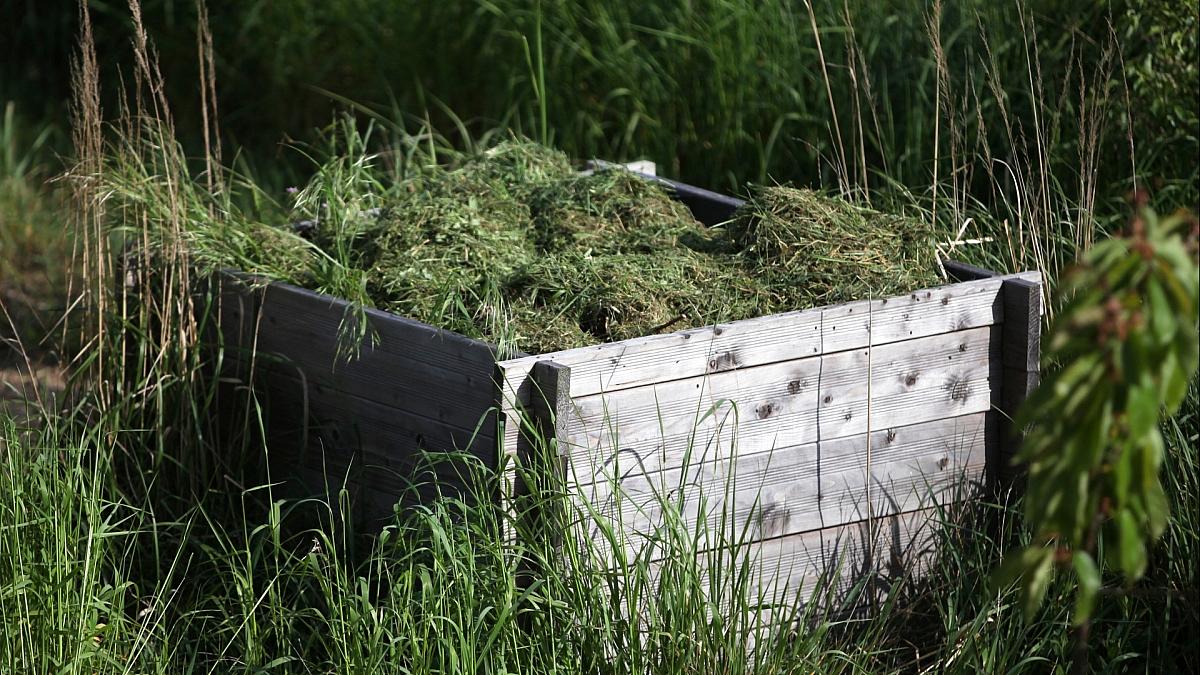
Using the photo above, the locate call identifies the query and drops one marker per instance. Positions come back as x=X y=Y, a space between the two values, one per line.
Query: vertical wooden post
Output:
x=1021 y=345
x=541 y=463
x=550 y=401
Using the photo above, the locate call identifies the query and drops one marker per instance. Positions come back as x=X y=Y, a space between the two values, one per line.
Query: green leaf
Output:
x=1088 y=575
x=1162 y=316
x=1142 y=405
x=1038 y=581
x=1152 y=457
x=1132 y=548
x=1158 y=510
x=1175 y=382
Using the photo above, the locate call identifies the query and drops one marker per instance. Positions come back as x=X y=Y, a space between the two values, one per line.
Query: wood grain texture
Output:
x=917 y=380
x=380 y=423
x=784 y=404
x=1021 y=368
x=1022 y=326
x=414 y=367
x=797 y=489
x=769 y=339
x=551 y=402
x=837 y=570
x=381 y=455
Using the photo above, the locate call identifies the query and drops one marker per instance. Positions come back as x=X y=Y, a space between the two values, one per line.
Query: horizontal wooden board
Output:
x=838 y=568
x=952 y=308
x=916 y=380
x=371 y=427
x=781 y=405
x=769 y=339
x=412 y=367
x=770 y=585
x=797 y=489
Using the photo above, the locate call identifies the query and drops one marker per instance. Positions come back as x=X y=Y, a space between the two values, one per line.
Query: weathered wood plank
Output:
x=768 y=339
x=373 y=422
x=1021 y=359
x=330 y=417
x=782 y=404
x=931 y=378
x=512 y=416
x=935 y=311
x=837 y=569
x=414 y=367
x=1022 y=326
x=646 y=360
x=382 y=448
x=539 y=465
x=797 y=489
x=551 y=402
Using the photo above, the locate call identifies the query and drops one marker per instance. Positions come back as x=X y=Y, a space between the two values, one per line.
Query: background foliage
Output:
x=719 y=92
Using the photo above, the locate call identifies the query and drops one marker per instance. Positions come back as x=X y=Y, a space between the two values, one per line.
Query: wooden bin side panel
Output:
x=769 y=339
x=703 y=353
x=799 y=489
x=768 y=417
x=367 y=422
x=655 y=359
x=759 y=409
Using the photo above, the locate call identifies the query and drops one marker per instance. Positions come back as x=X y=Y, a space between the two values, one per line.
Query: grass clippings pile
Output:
x=516 y=247
x=832 y=249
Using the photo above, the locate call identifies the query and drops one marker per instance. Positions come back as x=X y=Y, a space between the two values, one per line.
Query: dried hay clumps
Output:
x=496 y=248
x=609 y=212
x=579 y=299
x=819 y=250
x=515 y=247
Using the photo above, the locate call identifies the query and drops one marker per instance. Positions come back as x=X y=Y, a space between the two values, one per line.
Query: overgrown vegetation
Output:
x=514 y=246
x=1124 y=348
x=133 y=540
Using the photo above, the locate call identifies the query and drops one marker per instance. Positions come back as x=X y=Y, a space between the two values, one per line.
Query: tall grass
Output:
x=719 y=91
x=96 y=580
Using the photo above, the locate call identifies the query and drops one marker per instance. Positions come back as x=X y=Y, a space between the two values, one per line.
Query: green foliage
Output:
x=1161 y=39
x=1124 y=347
x=719 y=92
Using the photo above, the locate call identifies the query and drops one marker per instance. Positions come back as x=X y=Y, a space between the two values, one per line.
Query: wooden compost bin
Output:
x=830 y=435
